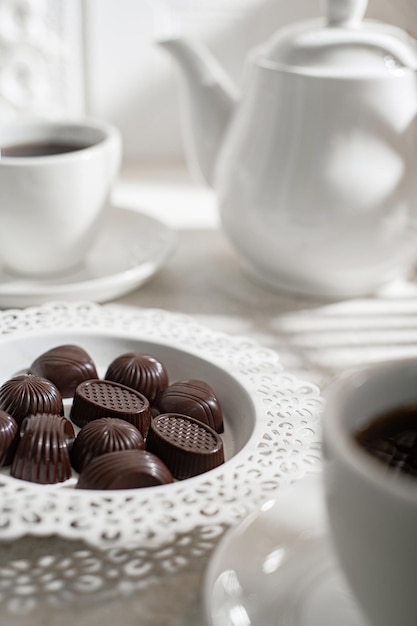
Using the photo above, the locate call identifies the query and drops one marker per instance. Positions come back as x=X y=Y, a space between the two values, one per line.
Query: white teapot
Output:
x=315 y=166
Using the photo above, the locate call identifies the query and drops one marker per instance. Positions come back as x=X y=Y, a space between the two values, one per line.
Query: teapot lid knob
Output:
x=344 y=11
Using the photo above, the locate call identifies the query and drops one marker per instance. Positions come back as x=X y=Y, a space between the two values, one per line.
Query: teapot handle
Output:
x=344 y=11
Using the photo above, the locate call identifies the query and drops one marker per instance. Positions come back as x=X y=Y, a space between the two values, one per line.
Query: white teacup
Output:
x=372 y=508
x=55 y=182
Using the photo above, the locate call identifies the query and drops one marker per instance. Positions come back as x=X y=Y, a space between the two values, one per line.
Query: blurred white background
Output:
x=60 y=57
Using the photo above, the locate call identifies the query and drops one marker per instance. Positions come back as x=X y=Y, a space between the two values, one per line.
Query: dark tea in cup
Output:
x=392 y=438
x=36 y=149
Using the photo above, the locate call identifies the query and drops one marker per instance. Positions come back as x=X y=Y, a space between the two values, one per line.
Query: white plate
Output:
x=277 y=568
x=130 y=250
x=272 y=426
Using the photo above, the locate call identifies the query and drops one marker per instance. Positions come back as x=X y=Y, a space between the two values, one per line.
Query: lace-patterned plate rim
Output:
x=272 y=425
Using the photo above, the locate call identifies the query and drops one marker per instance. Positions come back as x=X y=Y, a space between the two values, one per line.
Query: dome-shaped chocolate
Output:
x=27 y=394
x=139 y=371
x=103 y=398
x=66 y=366
x=194 y=398
x=127 y=469
x=42 y=455
x=101 y=436
x=187 y=446
x=9 y=433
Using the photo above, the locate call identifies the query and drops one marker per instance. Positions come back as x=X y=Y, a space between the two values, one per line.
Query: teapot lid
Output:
x=341 y=43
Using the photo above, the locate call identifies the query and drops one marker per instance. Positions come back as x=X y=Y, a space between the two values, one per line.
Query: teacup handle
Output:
x=344 y=11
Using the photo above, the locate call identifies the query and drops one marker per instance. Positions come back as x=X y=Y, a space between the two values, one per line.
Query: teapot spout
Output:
x=210 y=97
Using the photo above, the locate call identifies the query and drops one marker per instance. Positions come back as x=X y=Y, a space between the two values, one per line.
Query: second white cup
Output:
x=372 y=507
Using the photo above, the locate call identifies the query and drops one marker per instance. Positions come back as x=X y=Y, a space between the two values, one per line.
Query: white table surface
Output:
x=315 y=339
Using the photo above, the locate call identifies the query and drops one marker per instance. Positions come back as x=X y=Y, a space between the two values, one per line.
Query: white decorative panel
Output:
x=41 y=58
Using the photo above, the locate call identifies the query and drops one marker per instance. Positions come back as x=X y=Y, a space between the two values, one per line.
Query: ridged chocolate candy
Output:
x=103 y=398
x=9 y=432
x=139 y=371
x=66 y=366
x=28 y=394
x=128 y=469
x=101 y=436
x=187 y=446
x=42 y=455
x=194 y=398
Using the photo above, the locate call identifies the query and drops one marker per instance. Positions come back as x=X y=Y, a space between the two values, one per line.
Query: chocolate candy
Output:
x=187 y=446
x=28 y=394
x=194 y=398
x=104 y=435
x=102 y=398
x=114 y=415
x=66 y=366
x=42 y=455
x=9 y=432
x=126 y=469
x=139 y=371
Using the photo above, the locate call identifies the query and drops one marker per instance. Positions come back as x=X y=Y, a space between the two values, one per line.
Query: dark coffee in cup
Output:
x=392 y=438
x=39 y=149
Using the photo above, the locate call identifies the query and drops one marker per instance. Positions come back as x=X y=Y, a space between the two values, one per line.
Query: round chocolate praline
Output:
x=27 y=394
x=107 y=434
x=139 y=371
x=9 y=433
x=194 y=398
x=42 y=455
x=126 y=469
x=97 y=398
x=66 y=366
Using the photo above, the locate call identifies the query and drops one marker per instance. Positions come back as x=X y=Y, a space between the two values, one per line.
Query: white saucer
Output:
x=277 y=568
x=130 y=250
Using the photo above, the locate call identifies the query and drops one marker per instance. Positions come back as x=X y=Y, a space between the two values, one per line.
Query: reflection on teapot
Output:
x=315 y=166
